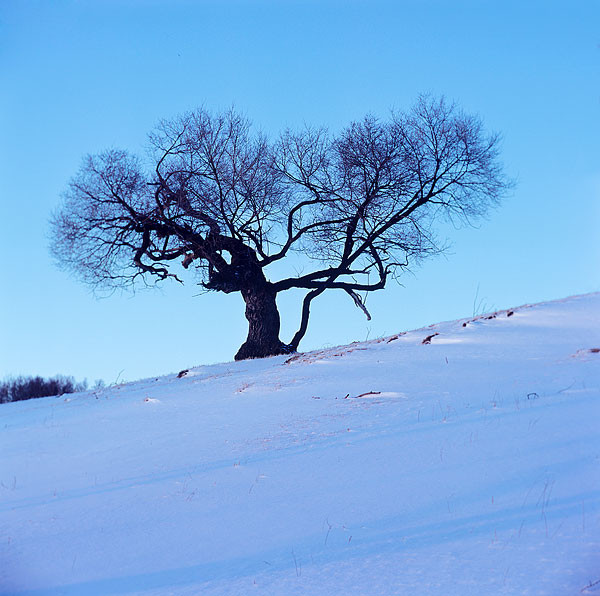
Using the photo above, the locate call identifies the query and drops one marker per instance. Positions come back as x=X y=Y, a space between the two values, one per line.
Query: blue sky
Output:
x=81 y=76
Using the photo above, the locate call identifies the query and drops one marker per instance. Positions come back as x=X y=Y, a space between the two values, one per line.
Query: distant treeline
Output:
x=20 y=388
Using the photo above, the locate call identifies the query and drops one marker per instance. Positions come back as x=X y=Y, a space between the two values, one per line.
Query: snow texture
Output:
x=468 y=464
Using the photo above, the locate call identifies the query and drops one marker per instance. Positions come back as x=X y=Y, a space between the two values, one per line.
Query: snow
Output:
x=469 y=465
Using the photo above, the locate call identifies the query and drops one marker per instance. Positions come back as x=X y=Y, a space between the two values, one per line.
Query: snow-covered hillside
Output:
x=459 y=459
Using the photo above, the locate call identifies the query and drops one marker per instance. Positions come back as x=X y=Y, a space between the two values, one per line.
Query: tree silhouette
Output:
x=224 y=203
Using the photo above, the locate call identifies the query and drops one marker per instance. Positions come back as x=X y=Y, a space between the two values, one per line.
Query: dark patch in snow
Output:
x=428 y=339
x=584 y=352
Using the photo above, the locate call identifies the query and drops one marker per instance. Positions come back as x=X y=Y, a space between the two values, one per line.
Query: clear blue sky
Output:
x=80 y=76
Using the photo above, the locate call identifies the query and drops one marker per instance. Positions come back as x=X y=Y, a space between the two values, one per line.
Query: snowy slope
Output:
x=467 y=465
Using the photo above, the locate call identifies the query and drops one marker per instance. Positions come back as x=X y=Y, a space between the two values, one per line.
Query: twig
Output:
x=298 y=570
x=590 y=585
x=368 y=393
x=328 y=530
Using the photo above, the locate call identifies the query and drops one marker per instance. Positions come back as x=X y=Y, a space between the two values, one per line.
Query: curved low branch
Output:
x=305 y=316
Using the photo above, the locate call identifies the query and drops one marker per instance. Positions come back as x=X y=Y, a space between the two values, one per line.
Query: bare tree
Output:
x=225 y=204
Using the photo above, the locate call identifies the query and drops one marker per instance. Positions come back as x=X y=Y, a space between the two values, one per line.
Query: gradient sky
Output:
x=81 y=76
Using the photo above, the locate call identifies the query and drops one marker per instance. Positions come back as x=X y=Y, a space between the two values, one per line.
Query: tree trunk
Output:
x=263 y=325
